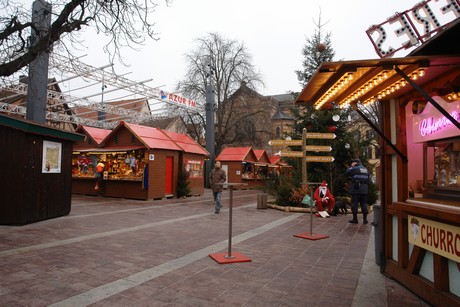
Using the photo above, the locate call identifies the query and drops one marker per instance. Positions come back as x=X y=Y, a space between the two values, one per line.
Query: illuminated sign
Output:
x=431 y=125
x=177 y=99
x=439 y=238
x=413 y=26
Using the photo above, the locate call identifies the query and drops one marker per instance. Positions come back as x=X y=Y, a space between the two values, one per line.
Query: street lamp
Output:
x=101 y=112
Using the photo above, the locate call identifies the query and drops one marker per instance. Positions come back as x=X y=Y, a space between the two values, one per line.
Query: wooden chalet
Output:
x=37 y=183
x=142 y=163
x=239 y=164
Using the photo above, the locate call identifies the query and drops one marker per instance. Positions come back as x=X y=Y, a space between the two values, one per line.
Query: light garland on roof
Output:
x=334 y=89
x=366 y=87
x=395 y=87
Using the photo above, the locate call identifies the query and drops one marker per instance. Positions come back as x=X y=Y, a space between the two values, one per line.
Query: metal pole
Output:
x=210 y=126
x=230 y=213
x=304 y=157
x=37 y=97
x=311 y=210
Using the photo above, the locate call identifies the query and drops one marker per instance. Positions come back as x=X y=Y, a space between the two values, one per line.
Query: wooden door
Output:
x=169 y=176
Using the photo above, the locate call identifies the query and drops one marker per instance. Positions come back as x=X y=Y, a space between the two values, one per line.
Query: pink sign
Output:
x=432 y=125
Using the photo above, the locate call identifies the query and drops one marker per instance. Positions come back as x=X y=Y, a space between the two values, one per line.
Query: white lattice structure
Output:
x=64 y=108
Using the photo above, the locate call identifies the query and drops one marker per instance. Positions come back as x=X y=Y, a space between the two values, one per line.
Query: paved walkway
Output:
x=119 y=252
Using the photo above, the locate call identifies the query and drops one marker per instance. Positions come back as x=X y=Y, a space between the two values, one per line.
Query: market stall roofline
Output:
x=97 y=134
x=186 y=143
x=243 y=154
x=108 y=149
x=37 y=128
x=155 y=138
x=336 y=82
x=262 y=156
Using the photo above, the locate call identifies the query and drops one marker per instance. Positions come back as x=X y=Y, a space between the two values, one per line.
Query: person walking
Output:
x=217 y=177
x=358 y=189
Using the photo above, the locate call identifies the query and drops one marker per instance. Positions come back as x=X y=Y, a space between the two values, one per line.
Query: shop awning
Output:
x=365 y=81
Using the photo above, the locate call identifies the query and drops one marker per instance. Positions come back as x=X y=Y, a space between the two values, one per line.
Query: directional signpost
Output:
x=303 y=154
x=299 y=154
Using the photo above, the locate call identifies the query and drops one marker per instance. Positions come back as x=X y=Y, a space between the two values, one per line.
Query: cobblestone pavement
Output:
x=120 y=252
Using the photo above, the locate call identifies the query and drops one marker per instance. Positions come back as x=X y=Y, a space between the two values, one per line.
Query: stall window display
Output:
x=117 y=165
x=447 y=165
x=248 y=170
x=194 y=168
x=262 y=171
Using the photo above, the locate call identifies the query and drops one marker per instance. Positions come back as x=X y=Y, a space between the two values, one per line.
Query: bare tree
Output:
x=227 y=64
x=127 y=23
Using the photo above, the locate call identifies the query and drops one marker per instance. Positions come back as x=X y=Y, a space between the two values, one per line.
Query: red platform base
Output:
x=223 y=258
x=311 y=236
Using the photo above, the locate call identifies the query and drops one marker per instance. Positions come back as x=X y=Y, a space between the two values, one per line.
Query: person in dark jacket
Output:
x=217 y=176
x=358 y=189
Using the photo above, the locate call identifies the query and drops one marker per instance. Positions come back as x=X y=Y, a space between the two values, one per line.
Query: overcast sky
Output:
x=274 y=33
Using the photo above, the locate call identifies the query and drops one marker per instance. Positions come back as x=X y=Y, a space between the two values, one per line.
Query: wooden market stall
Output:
x=239 y=164
x=85 y=158
x=142 y=163
x=417 y=237
x=278 y=167
x=262 y=164
x=37 y=171
x=191 y=160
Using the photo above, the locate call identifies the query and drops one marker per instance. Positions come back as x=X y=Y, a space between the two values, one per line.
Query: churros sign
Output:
x=439 y=238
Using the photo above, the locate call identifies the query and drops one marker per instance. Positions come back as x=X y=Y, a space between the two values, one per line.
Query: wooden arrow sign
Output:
x=299 y=154
x=318 y=148
x=317 y=135
x=320 y=159
x=293 y=154
x=285 y=143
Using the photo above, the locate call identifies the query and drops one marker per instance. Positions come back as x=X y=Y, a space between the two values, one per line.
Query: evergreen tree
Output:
x=347 y=144
x=342 y=150
x=317 y=49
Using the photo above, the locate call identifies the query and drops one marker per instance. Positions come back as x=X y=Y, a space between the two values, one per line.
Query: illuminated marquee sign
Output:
x=432 y=125
x=413 y=26
x=177 y=99
x=439 y=238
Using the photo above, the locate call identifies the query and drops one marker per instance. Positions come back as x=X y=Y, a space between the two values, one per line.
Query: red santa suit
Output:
x=323 y=197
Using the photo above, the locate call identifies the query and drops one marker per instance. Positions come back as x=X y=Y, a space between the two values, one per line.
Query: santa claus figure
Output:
x=324 y=198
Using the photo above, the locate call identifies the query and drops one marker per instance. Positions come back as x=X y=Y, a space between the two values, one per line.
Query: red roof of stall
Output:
x=275 y=159
x=186 y=143
x=262 y=156
x=97 y=134
x=245 y=154
x=152 y=137
x=155 y=138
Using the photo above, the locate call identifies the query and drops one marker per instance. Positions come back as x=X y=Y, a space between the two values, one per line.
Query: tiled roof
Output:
x=281 y=115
